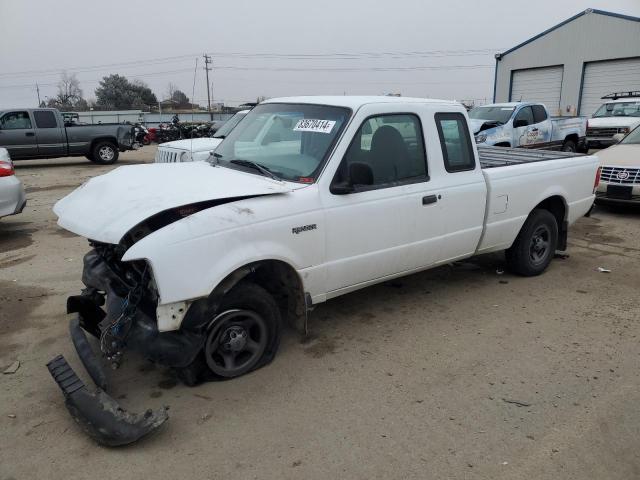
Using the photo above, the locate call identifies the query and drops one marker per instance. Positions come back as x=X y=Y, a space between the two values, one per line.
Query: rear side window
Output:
x=15 y=121
x=457 y=150
x=539 y=113
x=45 y=119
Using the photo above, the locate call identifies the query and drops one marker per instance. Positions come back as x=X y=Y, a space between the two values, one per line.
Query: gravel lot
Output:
x=453 y=373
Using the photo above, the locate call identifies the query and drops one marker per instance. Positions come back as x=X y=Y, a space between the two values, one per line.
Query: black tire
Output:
x=249 y=310
x=105 y=153
x=89 y=156
x=535 y=245
x=569 y=146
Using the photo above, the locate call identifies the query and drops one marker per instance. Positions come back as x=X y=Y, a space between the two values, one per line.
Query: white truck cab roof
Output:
x=356 y=102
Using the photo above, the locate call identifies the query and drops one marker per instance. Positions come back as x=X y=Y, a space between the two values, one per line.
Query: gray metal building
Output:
x=571 y=65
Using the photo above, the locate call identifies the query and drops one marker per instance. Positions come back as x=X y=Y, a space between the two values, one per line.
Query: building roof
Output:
x=586 y=12
x=354 y=102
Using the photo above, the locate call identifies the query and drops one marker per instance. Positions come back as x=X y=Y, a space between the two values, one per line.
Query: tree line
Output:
x=114 y=92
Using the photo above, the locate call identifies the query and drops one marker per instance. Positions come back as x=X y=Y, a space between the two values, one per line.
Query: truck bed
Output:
x=491 y=157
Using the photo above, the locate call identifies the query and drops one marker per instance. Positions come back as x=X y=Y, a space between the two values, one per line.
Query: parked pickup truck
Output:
x=527 y=125
x=195 y=149
x=617 y=116
x=41 y=133
x=200 y=265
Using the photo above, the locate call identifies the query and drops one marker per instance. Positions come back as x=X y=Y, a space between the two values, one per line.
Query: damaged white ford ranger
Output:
x=199 y=265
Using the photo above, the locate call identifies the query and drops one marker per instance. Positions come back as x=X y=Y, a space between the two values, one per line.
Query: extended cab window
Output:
x=392 y=146
x=45 y=119
x=15 y=121
x=523 y=118
x=457 y=151
x=539 y=113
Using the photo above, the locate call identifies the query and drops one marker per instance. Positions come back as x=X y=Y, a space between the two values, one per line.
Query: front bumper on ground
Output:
x=99 y=415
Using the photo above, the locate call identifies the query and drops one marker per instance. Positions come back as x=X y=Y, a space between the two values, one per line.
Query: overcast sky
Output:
x=426 y=48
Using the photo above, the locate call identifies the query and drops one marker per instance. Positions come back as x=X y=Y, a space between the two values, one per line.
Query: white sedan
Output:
x=620 y=172
x=12 y=196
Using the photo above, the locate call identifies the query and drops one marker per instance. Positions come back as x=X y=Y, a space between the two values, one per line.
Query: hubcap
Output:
x=236 y=342
x=106 y=153
x=540 y=244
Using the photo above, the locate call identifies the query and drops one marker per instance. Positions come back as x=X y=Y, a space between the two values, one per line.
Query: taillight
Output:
x=6 y=168
x=597 y=180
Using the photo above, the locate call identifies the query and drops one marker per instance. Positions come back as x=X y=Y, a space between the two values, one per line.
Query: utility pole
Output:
x=207 y=62
x=38 y=90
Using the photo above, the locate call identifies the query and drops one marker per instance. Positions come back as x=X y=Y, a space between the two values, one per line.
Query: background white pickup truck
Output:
x=210 y=258
x=196 y=149
x=528 y=125
x=619 y=115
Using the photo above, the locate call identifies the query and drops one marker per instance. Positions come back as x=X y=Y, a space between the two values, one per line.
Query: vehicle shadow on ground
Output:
x=27 y=164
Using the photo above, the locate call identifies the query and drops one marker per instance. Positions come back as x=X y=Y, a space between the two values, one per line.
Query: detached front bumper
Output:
x=119 y=327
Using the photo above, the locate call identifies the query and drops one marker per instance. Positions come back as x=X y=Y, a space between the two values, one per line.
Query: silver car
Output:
x=12 y=196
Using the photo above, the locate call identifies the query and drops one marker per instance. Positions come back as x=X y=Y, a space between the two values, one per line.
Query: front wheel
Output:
x=244 y=333
x=535 y=245
x=105 y=153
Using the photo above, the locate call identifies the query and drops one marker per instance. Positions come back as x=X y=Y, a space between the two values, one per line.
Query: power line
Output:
x=256 y=56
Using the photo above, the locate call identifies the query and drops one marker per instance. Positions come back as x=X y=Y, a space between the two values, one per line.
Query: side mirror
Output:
x=520 y=123
x=618 y=137
x=359 y=174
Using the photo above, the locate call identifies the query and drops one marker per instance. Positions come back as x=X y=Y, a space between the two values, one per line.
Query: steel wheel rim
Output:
x=540 y=244
x=236 y=342
x=106 y=153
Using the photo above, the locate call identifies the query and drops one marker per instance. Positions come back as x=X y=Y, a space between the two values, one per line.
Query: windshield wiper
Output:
x=256 y=166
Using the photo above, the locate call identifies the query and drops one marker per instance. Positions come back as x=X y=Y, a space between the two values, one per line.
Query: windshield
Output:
x=224 y=130
x=492 y=114
x=291 y=141
x=621 y=109
x=633 y=138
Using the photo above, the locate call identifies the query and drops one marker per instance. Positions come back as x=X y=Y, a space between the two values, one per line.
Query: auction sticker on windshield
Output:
x=310 y=125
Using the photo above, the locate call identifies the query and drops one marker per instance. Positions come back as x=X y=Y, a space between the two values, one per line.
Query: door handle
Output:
x=429 y=199
x=534 y=129
x=29 y=134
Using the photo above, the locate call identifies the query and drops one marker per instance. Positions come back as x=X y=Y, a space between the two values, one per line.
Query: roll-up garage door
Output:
x=603 y=78
x=542 y=85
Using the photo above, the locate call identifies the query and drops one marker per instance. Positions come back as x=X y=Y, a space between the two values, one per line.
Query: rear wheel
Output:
x=104 y=153
x=535 y=245
x=569 y=146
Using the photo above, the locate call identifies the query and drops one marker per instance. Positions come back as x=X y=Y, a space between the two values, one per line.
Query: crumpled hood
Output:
x=475 y=124
x=194 y=145
x=614 y=122
x=107 y=207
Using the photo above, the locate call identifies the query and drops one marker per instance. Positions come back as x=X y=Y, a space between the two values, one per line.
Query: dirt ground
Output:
x=457 y=373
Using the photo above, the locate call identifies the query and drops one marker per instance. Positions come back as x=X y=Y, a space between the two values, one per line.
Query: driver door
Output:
x=370 y=230
x=17 y=135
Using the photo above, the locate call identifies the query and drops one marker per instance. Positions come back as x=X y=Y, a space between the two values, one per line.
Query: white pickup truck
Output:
x=616 y=117
x=196 y=149
x=199 y=265
x=527 y=125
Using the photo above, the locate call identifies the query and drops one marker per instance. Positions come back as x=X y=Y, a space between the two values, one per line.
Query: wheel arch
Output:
x=278 y=278
x=557 y=206
x=106 y=138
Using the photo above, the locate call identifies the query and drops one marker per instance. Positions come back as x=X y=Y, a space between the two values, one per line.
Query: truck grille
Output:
x=604 y=132
x=167 y=156
x=625 y=176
